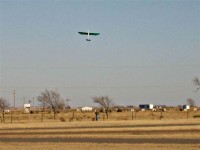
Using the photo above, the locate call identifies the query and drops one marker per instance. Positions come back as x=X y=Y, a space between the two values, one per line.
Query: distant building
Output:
x=7 y=111
x=186 y=107
x=146 y=106
x=86 y=108
x=27 y=108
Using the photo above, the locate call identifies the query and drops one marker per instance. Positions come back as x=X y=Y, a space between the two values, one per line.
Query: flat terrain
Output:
x=18 y=116
x=136 y=134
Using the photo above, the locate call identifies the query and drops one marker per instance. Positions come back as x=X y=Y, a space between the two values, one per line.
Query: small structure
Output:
x=186 y=107
x=195 y=109
x=27 y=108
x=86 y=108
x=154 y=109
x=163 y=109
x=7 y=111
x=78 y=108
x=146 y=106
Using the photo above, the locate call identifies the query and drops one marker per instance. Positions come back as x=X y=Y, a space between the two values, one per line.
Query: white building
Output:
x=146 y=106
x=186 y=107
x=86 y=108
x=27 y=108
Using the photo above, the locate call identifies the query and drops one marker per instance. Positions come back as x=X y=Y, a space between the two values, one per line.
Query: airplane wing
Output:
x=83 y=33
x=86 y=33
x=94 y=33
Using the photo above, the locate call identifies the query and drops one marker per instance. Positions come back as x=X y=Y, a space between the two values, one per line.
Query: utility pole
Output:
x=33 y=105
x=24 y=101
x=67 y=100
x=14 y=98
x=33 y=101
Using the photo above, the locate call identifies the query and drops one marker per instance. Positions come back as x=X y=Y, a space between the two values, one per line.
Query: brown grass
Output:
x=146 y=125
x=174 y=114
x=91 y=146
x=107 y=129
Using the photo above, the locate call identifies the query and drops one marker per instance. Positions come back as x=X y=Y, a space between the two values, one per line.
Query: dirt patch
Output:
x=127 y=132
x=96 y=127
x=103 y=140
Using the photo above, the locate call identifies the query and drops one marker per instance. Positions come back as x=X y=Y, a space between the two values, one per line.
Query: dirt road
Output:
x=128 y=134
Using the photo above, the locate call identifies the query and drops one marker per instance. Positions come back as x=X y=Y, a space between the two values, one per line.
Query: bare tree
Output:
x=196 y=82
x=191 y=102
x=53 y=100
x=105 y=102
x=3 y=105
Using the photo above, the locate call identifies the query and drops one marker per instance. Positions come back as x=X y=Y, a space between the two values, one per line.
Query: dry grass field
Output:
x=176 y=130
x=19 y=117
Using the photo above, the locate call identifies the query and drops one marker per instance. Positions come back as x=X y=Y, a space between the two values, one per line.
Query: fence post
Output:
x=42 y=117
x=132 y=115
x=103 y=114
x=161 y=114
x=135 y=114
x=187 y=113
x=73 y=116
x=3 y=116
x=11 y=116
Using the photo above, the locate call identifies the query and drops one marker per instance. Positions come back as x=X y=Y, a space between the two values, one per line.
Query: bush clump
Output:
x=62 y=119
x=196 y=116
x=31 y=112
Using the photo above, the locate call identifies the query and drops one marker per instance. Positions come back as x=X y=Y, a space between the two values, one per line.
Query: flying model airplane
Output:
x=88 y=34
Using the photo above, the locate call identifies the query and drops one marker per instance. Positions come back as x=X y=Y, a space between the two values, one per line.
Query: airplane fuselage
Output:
x=88 y=39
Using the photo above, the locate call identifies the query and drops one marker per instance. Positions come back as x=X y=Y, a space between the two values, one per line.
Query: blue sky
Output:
x=147 y=52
